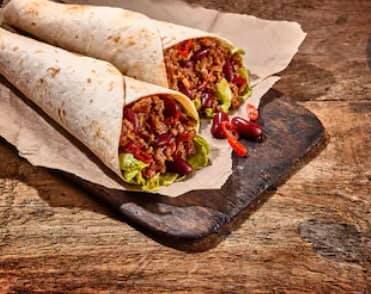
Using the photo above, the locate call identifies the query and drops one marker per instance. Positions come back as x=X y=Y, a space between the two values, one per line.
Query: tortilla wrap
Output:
x=131 y=41
x=84 y=95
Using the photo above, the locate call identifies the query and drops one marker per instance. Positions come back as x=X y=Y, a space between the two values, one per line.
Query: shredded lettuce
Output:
x=132 y=172
x=238 y=51
x=224 y=93
x=158 y=180
x=197 y=103
x=201 y=158
x=209 y=112
x=168 y=178
x=152 y=184
x=243 y=73
x=248 y=90
x=132 y=169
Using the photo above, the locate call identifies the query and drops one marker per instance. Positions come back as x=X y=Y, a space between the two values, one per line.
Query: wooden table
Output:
x=312 y=235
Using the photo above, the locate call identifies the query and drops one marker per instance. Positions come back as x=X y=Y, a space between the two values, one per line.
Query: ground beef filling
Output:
x=194 y=67
x=156 y=130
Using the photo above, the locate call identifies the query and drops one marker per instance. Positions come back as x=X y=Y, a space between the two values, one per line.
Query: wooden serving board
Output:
x=198 y=220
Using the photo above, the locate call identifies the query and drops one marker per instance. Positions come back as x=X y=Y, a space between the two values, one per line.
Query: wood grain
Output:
x=312 y=235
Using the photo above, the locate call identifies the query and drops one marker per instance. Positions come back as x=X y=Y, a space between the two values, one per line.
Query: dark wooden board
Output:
x=199 y=219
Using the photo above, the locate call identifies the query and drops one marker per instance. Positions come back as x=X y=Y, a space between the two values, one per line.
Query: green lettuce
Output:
x=248 y=90
x=158 y=180
x=197 y=103
x=201 y=158
x=132 y=172
x=132 y=169
x=209 y=112
x=243 y=73
x=224 y=93
x=237 y=50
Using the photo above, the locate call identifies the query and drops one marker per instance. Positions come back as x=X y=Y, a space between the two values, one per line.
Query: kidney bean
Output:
x=189 y=63
x=186 y=63
x=246 y=129
x=239 y=81
x=179 y=166
x=163 y=140
x=182 y=88
x=171 y=108
x=207 y=100
x=228 y=71
x=200 y=54
x=131 y=116
x=216 y=128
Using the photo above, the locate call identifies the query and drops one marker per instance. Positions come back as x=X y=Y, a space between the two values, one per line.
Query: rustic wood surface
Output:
x=312 y=235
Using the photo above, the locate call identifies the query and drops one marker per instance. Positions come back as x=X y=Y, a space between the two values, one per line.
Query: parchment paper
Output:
x=270 y=46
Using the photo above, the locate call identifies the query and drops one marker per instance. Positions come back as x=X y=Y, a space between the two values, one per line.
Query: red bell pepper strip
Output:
x=138 y=153
x=237 y=146
x=239 y=81
x=185 y=48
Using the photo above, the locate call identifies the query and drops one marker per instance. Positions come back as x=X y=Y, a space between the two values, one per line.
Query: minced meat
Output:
x=155 y=129
x=194 y=67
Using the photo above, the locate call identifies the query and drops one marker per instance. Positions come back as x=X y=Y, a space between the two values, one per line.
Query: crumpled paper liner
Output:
x=270 y=46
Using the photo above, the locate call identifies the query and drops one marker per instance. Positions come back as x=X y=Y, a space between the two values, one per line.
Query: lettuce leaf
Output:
x=158 y=180
x=152 y=184
x=132 y=169
x=243 y=73
x=132 y=172
x=168 y=178
x=201 y=158
x=209 y=112
x=224 y=93
x=248 y=90
x=237 y=50
x=197 y=103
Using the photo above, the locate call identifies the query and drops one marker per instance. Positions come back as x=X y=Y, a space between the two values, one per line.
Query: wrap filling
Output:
x=210 y=72
x=159 y=143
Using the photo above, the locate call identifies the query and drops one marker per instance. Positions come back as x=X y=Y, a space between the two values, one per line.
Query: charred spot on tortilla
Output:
x=32 y=10
x=53 y=71
x=75 y=8
x=15 y=48
x=111 y=86
x=116 y=39
x=88 y=80
x=129 y=42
